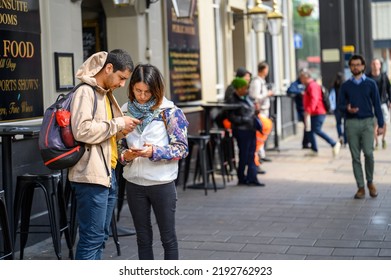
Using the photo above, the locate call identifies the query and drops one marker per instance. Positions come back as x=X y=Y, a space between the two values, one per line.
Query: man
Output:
x=266 y=123
x=358 y=98
x=244 y=123
x=260 y=93
x=93 y=177
x=314 y=107
x=241 y=72
x=384 y=87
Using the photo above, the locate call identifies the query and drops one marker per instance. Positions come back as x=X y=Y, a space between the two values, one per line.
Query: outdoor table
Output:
x=208 y=107
x=6 y=133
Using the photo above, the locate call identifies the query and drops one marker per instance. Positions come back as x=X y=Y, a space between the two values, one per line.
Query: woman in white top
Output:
x=151 y=154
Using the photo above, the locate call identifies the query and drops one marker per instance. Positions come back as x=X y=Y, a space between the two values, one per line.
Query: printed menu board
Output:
x=184 y=54
x=21 y=94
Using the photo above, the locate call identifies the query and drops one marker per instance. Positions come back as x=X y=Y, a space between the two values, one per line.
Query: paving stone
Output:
x=356 y=252
x=305 y=212
x=306 y=250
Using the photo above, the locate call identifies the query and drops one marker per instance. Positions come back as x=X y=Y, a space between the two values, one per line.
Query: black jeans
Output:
x=162 y=199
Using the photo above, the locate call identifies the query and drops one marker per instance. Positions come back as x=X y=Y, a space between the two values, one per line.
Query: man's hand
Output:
x=380 y=131
x=352 y=110
x=130 y=123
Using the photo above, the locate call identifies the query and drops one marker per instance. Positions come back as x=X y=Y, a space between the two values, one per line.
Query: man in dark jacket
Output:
x=245 y=123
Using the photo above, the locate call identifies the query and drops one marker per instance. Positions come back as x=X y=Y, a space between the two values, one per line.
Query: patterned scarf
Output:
x=142 y=112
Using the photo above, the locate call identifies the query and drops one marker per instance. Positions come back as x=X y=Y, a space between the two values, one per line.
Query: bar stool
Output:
x=8 y=252
x=228 y=144
x=216 y=143
x=51 y=186
x=204 y=164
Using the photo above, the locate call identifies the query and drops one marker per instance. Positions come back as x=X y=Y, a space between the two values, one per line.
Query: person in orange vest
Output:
x=260 y=93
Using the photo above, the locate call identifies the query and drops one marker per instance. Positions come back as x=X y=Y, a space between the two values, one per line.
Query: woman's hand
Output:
x=129 y=155
x=146 y=152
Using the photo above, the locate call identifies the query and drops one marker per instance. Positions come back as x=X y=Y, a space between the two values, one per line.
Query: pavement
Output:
x=305 y=212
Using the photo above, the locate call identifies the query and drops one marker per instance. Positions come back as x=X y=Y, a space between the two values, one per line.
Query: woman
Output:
x=339 y=116
x=151 y=154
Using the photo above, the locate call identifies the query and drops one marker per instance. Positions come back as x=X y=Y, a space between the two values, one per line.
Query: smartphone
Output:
x=137 y=149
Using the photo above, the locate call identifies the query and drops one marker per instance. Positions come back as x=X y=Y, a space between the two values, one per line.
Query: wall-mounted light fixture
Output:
x=121 y=3
x=274 y=20
x=184 y=8
x=258 y=15
x=263 y=17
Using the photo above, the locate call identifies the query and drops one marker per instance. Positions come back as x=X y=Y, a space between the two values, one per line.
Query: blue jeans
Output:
x=341 y=124
x=316 y=128
x=95 y=206
x=162 y=199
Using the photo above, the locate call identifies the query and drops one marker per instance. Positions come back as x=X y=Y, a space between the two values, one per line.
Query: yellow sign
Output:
x=348 y=49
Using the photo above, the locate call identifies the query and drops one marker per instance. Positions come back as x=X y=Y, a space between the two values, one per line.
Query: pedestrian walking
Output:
x=296 y=90
x=359 y=98
x=93 y=177
x=339 y=115
x=314 y=107
x=150 y=154
x=383 y=84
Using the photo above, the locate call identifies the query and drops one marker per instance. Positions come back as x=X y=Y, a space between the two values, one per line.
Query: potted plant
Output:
x=305 y=9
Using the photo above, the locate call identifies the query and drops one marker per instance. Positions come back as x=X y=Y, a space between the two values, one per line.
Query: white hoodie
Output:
x=144 y=171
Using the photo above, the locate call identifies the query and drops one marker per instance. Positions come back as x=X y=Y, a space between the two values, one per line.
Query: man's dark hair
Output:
x=262 y=65
x=120 y=60
x=357 y=57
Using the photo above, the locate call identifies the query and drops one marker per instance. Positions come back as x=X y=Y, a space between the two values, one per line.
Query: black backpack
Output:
x=326 y=100
x=55 y=154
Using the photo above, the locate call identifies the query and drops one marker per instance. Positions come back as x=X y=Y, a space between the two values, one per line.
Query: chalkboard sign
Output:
x=91 y=42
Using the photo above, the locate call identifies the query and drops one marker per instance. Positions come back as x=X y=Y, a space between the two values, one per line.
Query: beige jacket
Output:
x=95 y=131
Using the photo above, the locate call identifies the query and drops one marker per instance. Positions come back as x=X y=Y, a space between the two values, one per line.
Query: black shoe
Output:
x=266 y=159
x=242 y=183
x=256 y=184
x=306 y=147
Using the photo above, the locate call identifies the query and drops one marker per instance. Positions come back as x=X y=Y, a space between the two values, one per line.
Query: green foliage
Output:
x=308 y=27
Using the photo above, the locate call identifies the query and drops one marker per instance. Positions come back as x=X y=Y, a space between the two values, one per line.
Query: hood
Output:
x=166 y=104
x=91 y=67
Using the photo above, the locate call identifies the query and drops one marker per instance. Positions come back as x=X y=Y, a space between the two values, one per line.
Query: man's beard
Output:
x=356 y=72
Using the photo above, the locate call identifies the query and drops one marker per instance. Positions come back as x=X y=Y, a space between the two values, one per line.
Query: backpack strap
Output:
x=164 y=119
x=95 y=101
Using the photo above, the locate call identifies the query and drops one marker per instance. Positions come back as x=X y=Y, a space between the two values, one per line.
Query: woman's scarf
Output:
x=142 y=112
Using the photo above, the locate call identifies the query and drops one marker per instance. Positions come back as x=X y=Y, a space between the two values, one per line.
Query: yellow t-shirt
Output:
x=113 y=142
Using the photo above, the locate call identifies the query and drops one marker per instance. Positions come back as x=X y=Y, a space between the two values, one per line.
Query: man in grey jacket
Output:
x=93 y=177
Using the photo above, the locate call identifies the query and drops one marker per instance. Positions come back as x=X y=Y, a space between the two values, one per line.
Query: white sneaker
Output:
x=336 y=149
